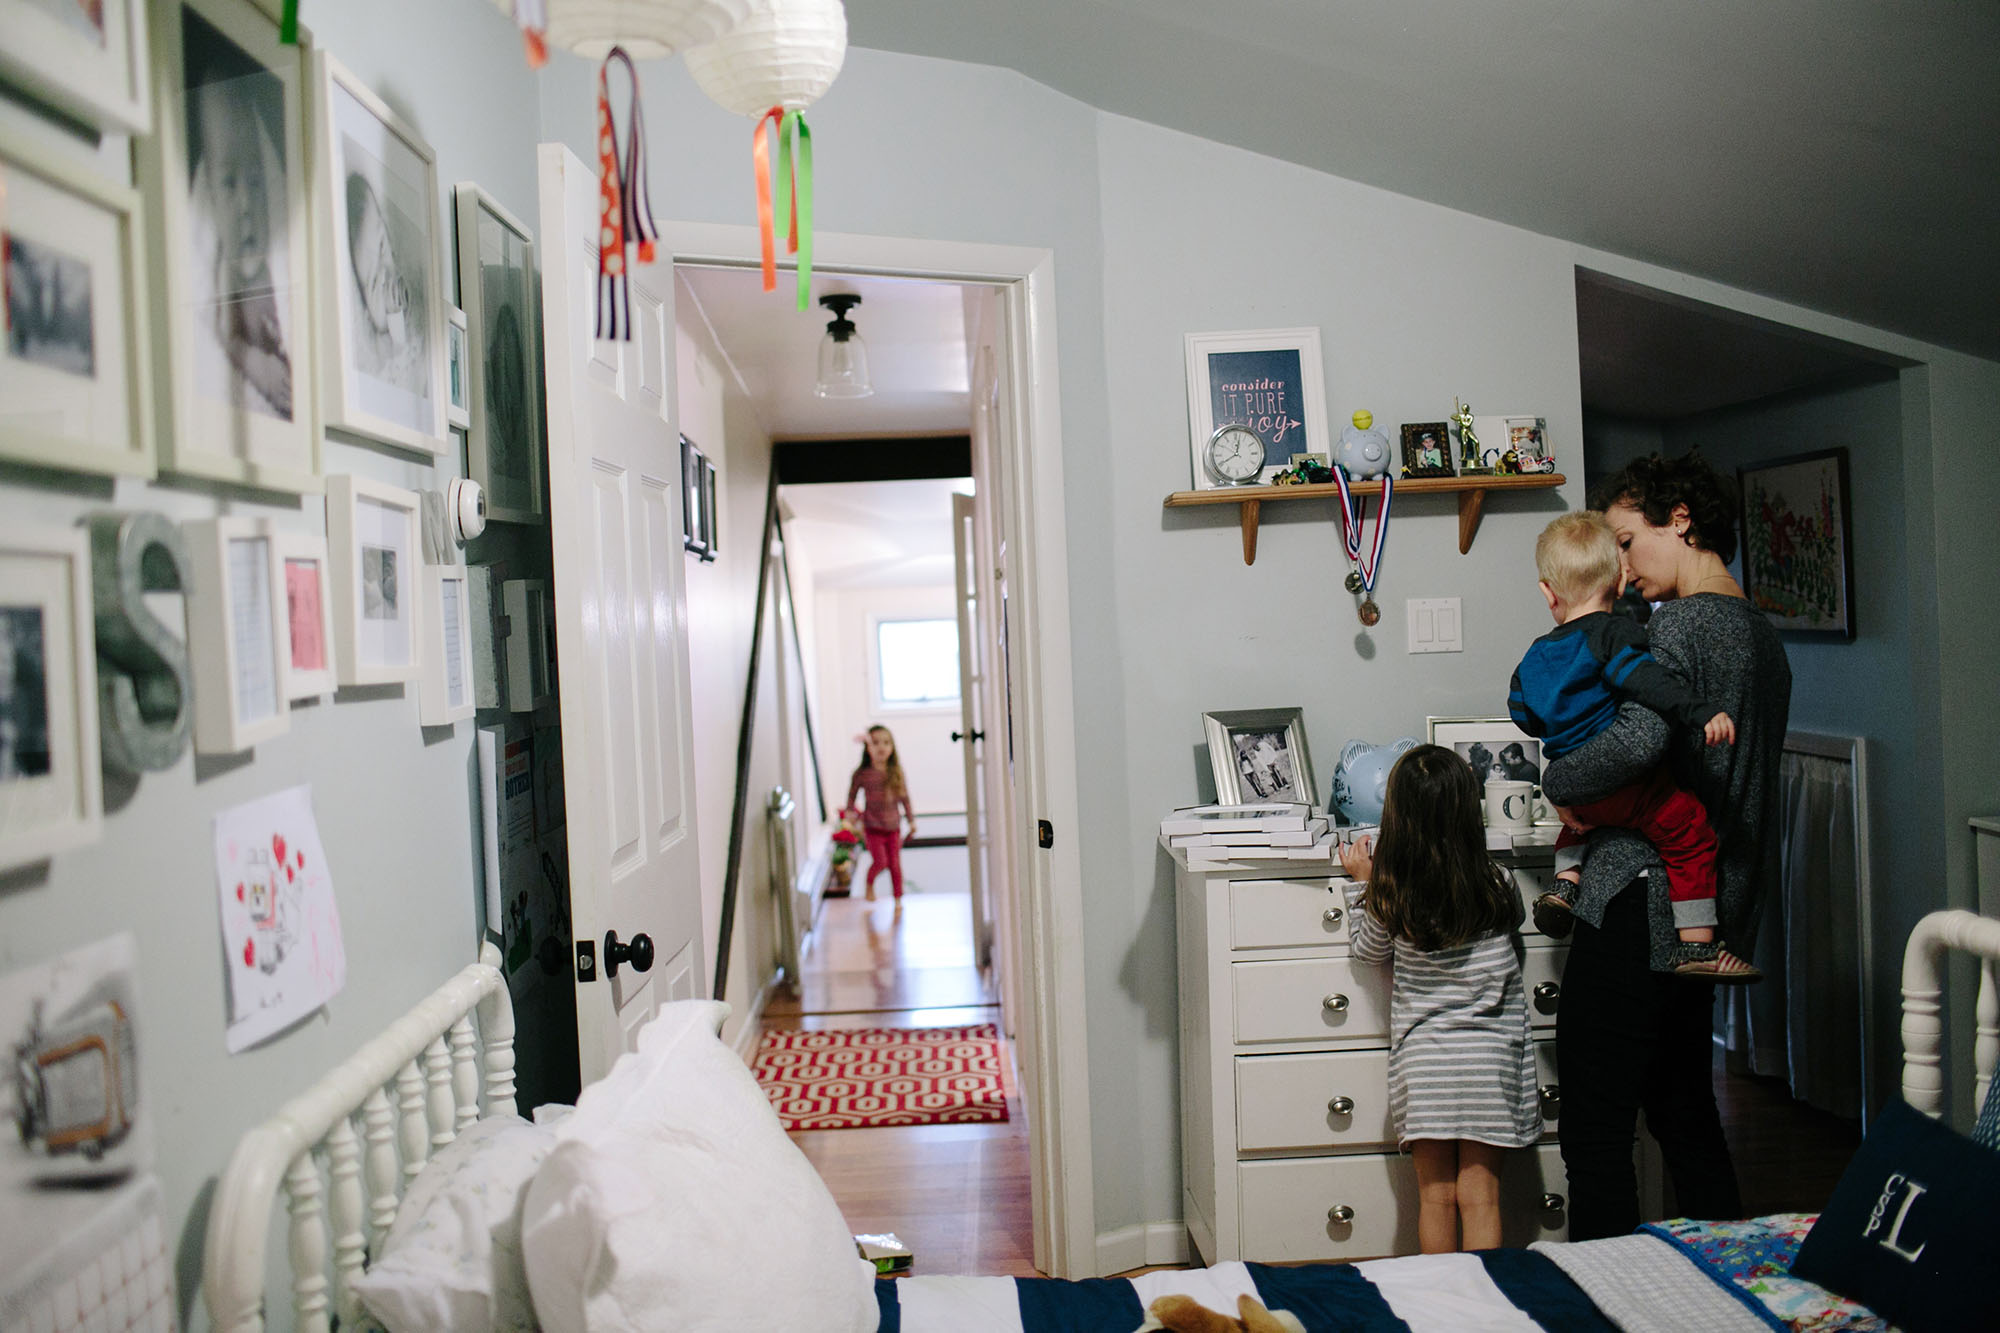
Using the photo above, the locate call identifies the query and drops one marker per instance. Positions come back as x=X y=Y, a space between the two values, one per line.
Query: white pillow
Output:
x=452 y=1258
x=673 y=1200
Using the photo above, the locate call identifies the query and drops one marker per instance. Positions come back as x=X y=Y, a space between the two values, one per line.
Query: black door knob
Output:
x=639 y=953
x=977 y=735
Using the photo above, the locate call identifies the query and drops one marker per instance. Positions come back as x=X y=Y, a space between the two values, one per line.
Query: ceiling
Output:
x=875 y=533
x=1842 y=155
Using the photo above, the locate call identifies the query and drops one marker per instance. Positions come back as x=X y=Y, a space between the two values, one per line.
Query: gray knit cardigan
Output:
x=1732 y=657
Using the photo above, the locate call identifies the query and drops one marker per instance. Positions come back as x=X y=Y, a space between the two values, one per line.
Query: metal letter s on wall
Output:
x=143 y=687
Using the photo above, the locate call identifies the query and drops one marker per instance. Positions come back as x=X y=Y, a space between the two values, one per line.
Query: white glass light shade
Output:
x=647 y=29
x=784 y=53
x=843 y=367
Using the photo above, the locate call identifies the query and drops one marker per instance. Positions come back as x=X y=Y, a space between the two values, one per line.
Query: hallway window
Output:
x=917 y=661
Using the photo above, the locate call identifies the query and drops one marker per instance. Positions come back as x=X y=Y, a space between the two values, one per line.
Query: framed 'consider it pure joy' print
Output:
x=1267 y=382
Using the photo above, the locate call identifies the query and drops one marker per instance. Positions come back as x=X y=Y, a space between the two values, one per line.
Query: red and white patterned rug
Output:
x=867 y=1077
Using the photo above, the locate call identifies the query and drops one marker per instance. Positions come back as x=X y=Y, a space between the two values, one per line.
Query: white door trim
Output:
x=1045 y=739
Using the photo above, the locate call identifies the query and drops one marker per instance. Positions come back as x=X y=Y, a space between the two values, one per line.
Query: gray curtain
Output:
x=1803 y=1023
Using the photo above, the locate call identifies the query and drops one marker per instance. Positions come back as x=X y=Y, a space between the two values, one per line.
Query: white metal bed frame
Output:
x=429 y=1057
x=413 y=1088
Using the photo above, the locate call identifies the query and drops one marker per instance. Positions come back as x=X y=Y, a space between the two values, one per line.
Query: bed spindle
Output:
x=304 y=1196
x=1986 y=1036
x=496 y=1025
x=350 y=1243
x=413 y=1125
x=1923 y=1003
x=465 y=1073
x=379 y=1131
x=437 y=1075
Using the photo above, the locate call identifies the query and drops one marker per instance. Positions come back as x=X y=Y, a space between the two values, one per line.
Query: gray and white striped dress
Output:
x=1461 y=1063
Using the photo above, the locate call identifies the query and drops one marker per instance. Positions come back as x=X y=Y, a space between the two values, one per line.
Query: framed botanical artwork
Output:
x=1494 y=747
x=379 y=268
x=74 y=380
x=1255 y=400
x=497 y=285
x=1259 y=754
x=444 y=693
x=238 y=634
x=85 y=58
x=456 y=370
x=51 y=785
x=224 y=177
x=530 y=680
x=1427 y=449
x=374 y=552
x=1798 y=552
x=307 y=582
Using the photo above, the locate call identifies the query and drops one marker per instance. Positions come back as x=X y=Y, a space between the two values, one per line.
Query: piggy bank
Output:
x=1363 y=451
x=1361 y=778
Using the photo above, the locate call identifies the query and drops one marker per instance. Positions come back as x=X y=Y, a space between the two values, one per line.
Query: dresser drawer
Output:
x=1340 y=1100
x=1310 y=999
x=1286 y=913
x=1365 y=1206
x=1542 y=971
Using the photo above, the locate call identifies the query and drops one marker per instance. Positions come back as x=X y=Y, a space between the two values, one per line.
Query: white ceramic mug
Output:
x=1510 y=804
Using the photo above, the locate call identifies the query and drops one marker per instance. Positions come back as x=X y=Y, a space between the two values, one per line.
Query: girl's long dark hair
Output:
x=1433 y=883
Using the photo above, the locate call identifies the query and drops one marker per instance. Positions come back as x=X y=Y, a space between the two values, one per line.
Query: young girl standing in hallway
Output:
x=880 y=780
x=1461 y=1065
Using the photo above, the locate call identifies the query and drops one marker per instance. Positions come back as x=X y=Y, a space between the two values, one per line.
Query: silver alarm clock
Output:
x=1234 y=455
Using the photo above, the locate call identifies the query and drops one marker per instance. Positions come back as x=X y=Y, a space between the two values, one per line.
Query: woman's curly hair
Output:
x=1654 y=485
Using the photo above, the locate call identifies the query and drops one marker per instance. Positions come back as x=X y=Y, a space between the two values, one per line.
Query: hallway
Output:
x=957 y=1195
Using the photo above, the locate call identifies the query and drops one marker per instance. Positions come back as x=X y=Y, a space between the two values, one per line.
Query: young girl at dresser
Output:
x=1461 y=1066
x=879 y=779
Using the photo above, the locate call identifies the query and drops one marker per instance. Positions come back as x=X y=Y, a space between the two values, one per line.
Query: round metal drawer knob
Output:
x=1334 y=916
x=1552 y=1203
x=1341 y=1106
x=1335 y=1003
x=1548 y=990
x=1340 y=1214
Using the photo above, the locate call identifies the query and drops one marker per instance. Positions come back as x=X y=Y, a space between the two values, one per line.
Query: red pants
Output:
x=885 y=849
x=1669 y=818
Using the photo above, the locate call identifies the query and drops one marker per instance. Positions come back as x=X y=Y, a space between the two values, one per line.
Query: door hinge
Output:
x=1045 y=833
x=586 y=960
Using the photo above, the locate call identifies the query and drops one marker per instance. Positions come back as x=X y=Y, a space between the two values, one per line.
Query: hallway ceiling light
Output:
x=843 y=357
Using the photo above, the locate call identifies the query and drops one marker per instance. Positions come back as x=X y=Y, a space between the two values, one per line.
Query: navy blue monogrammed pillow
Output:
x=1910 y=1229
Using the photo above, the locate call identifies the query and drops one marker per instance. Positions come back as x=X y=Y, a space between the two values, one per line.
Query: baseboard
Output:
x=1147 y=1245
x=745 y=1044
x=935 y=842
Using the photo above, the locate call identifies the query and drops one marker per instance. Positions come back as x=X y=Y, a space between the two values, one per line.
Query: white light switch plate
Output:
x=1435 y=626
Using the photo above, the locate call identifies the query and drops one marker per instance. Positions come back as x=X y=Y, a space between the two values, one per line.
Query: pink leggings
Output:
x=885 y=849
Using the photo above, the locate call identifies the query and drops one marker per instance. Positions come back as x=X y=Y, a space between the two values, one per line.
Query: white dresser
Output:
x=1287 y=1150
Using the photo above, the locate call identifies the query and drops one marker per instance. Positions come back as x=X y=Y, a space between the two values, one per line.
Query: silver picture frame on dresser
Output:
x=1259 y=754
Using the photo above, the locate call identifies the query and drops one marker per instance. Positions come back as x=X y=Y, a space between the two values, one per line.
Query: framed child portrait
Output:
x=86 y=58
x=374 y=551
x=497 y=284
x=51 y=784
x=1259 y=754
x=1427 y=449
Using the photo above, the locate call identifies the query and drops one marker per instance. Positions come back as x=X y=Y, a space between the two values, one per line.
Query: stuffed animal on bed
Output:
x=1183 y=1314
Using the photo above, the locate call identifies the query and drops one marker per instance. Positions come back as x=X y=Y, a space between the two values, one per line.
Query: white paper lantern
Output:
x=784 y=53
x=647 y=29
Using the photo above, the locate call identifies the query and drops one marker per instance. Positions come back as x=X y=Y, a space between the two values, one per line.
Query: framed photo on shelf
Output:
x=1270 y=382
x=51 y=783
x=1495 y=748
x=379 y=267
x=444 y=693
x=73 y=371
x=238 y=634
x=1798 y=554
x=224 y=178
x=1427 y=449
x=375 y=555
x=456 y=370
x=302 y=567
x=497 y=284
x=1259 y=754
x=85 y=58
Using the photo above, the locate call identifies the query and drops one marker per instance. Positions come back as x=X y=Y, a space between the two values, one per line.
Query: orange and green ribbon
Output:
x=792 y=184
x=288 y=25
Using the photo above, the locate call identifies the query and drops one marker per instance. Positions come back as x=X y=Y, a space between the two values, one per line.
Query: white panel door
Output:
x=971 y=680
x=621 y=630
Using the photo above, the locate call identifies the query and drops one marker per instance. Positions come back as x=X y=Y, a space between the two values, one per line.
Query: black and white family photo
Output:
x=1510 y=761
x=385 y=274
x=238 y=226
x=24 y=694
x=48 y=307
x=378 y=583
x=1264 y=761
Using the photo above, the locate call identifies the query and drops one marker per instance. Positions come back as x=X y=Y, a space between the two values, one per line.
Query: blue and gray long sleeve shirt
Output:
x=1572 y=679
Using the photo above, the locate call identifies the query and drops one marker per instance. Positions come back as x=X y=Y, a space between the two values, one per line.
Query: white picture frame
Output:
x=307 y=582
x=445 y=692
x=378 y=269
x=93 y=68
x=234 y=350
x=238 y=642
x=499 y=289
x=73 y=357
x=1223 y=372
x=530 y=682
x=1498 y=737
x=51 y=781
x=375 y=553
x=460 y=401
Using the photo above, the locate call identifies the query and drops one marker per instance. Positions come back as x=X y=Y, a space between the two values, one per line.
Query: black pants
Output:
x=1630 y=1039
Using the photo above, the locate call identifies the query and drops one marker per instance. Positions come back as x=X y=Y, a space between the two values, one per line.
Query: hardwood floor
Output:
x=1788 y=1155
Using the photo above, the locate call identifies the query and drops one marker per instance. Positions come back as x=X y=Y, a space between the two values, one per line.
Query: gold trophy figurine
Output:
x=1468 y=442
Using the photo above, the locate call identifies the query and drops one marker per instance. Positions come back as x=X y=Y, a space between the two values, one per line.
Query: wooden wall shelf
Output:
x=1471 y=492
